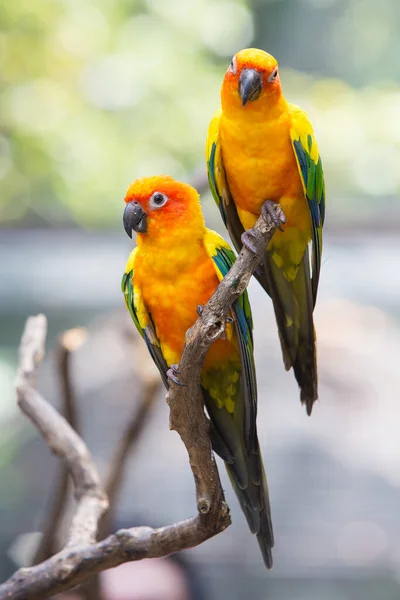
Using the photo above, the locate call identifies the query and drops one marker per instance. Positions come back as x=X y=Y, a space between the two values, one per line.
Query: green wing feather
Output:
x=224 y=258
x=312 y=176
x=235 y=435
x=219 y=185
x=142 y=320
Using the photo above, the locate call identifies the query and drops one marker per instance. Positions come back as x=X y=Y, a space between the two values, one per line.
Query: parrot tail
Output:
x=254 y=502
x=305 y=364
x=293 y=306
x=245 y=470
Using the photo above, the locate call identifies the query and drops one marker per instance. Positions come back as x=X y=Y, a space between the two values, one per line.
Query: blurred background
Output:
x=95 y=94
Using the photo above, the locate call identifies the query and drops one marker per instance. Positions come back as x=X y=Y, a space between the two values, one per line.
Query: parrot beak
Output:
x=250 y=85
x=134 y=218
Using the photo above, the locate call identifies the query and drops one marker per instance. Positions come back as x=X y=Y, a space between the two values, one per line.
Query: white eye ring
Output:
x=157 y=200
x=232 y=66
x=273 y=75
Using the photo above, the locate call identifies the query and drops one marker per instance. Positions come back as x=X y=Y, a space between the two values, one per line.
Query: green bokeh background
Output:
x=95 y=94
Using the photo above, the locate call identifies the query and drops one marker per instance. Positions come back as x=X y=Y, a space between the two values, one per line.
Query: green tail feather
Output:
x=245 y=471
x=254 y=501
x=305 y=365
x=293 y=306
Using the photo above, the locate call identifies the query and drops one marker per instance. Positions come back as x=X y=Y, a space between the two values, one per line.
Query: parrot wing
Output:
x=235 y=435
x=312 y=176
x=141 y=317
x=223 y=257
x=294 y=298
x=218 y=183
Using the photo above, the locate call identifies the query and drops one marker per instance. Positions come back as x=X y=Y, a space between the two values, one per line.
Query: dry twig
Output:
x=151 y=384
x=68 y=343
x=82 y=557
x=60 y=437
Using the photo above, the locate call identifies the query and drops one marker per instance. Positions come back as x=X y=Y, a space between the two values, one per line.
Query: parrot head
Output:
x=252 y=79
x=157 y=205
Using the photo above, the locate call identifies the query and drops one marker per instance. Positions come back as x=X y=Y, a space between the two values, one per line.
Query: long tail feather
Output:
x=293 y=306
x=254 y=501
x=305 y=365
x=246 y=472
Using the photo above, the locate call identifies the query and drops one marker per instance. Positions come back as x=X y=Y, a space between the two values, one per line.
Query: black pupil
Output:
x=158 y=198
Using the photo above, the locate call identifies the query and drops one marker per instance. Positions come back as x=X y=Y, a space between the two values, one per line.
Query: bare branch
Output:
x=185 y=402
x=68 y=342
x=81 y=557
x=73 y=565
x=60 y=437
x=151 y=383
x=128 y=441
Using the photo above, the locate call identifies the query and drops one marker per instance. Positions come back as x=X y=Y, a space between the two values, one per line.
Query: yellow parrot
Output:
x=176 y=267
x=261 y=151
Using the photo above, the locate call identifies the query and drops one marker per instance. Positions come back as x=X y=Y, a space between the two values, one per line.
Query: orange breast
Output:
x=172 y=302
x=260 y=165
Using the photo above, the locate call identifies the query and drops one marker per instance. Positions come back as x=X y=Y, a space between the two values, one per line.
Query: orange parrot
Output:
x=261 y=151
x=176 y=267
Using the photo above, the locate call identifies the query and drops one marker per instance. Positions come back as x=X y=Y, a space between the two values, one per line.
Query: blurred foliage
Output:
x=95 y=94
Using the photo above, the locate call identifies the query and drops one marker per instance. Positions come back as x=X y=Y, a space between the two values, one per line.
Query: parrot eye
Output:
x=158 y=199
x=273 y=75
x=232 y=66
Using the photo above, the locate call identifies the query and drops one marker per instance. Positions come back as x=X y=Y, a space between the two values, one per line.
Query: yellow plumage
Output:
x=176 y=267
x=261 y=148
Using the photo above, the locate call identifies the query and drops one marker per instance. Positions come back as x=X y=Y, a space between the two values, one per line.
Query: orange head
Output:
x=160 y=205
x=251 y=82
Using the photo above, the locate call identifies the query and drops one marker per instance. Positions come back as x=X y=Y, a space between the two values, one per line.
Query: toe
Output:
x=171 y=375
x=247 y=241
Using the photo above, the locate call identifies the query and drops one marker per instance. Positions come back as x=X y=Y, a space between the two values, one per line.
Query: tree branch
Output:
x=82 y=557
x=131 y=436
x=68 y=342
x=60 y=437
x=186 y=403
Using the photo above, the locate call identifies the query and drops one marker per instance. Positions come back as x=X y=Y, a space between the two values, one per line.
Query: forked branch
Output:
x=83 y=556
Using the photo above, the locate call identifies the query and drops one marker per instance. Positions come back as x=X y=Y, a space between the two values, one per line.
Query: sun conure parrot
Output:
x=261 y=151
x=176 y=267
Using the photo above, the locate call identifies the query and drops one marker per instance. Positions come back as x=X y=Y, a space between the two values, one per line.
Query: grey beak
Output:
x=134 y=218
x=250 y=85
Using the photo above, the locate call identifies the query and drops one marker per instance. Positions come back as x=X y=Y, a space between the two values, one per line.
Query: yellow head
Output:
x=251 y=82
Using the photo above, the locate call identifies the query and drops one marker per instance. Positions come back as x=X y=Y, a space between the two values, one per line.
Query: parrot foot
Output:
x=272 y=211
x=247 y=238
x=172 y=373
x=224 y=334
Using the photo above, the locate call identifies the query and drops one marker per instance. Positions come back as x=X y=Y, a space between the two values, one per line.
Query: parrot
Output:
x=261 y=152
x=175 y=268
